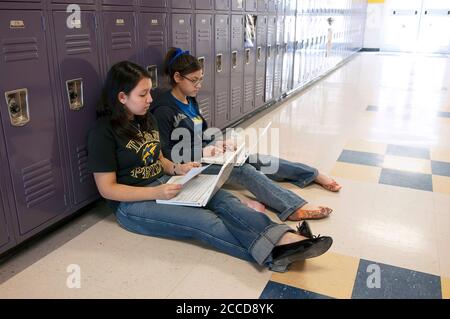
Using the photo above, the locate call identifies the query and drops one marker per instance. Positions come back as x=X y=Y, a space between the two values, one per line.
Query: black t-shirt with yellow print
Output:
x=135 y=162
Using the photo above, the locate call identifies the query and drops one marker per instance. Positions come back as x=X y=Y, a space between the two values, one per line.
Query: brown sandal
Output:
x=308 y=214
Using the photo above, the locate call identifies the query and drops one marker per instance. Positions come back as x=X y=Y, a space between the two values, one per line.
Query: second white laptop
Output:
x=242 y=152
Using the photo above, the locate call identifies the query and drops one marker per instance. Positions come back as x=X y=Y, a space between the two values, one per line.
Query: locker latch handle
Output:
x=75 y=94
x=258 y=54
x=18 y=109
x=219 y=63
x=234 y=59
x=247 y=56
x=153 y=72
x=201 y=61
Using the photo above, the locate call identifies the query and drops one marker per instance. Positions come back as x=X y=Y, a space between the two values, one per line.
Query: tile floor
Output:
x=380 y=125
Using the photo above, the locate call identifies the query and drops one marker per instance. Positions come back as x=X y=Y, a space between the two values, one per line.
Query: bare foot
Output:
x=328 y=183
x=289 y=238
x=308 y=211
x=254 y=205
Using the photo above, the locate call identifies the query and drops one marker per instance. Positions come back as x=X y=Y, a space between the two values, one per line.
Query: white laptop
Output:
x=242 y=152
x=200 y=189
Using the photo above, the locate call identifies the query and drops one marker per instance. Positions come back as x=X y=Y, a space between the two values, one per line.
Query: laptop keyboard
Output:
x=196 y=188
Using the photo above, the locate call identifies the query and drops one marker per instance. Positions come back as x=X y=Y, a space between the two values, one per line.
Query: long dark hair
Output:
x=179 y=61
x=122 y=77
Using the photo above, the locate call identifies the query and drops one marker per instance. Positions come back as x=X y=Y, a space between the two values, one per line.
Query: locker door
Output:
x=249 y=62
x=222 y=70
x=120 y=37
x=204 y=4
x=203 y=48
x=263 y=5
x=153 y=29
x=237 y=67
x=153 y=3
x=79 y=71
x=237 y=5
x=271 y=6
x=261 y=46
x=28 y=120
x=297 y=52
x=182 y=4
x=279 y=53
x=250 y=5
x=222 y=4
x=270 y=64
x=182 y=31
x=288 y=59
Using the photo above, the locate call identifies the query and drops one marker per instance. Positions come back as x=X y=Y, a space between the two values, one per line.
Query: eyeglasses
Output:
x=194 y=82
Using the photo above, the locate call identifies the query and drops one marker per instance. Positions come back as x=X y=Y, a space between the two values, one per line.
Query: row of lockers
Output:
x=53 y=62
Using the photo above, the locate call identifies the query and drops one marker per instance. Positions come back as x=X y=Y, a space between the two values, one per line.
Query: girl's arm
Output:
x=109 y=188
x=171 y=168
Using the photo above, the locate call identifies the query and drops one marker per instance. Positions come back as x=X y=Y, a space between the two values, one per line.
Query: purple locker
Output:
x=182 y=4
x=79 y=70
x=288 y=57
x=249 y=63
x=279 y=53
x=182 y=31
x=261 y=47
x=203 y=48
x=237 y=5
x=120 y=37
x=119 y=2
x=222 y=4
x=263 y=5
x=28 y=121
x=237 y=66
x=154 y=3
x=280 y=6
x=270 y=58
x=271 y=6
x=222 y=70
x=298 y=48
x=153 y=30
x=204 y=4
x=250 y=5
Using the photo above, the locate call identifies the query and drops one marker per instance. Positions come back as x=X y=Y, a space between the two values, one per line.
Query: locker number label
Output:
x=16 y=24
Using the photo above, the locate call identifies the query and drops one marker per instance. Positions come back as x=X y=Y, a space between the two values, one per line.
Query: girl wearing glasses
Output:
x=178 y=108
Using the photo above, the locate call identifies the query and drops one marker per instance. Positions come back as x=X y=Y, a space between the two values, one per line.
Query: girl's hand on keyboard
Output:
x=230 y=145
x=212 y=150
x=185 y=168
x=167 y=191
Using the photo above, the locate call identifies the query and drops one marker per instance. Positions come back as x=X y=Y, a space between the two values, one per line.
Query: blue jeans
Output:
x=282 y=201
x=225 y=224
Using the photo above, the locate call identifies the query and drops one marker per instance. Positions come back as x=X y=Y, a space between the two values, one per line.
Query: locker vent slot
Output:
x=155 y=38
x=78 y=44
x=39 y=183
x=121 y=40
x=204 y=105
x=20 y=49
x=236 y=97
x=83 y=171
x=248 y=91
x=222 y=103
